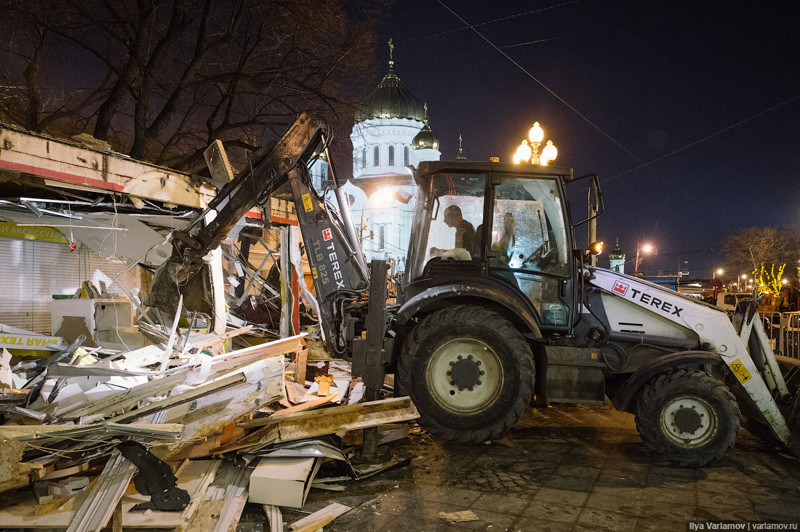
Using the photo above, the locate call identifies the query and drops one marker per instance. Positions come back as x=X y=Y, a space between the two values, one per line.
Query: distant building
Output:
x=616 y=259
x=391 y=134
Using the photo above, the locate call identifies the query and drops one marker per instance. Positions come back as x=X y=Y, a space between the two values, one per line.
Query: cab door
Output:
x=529 y=245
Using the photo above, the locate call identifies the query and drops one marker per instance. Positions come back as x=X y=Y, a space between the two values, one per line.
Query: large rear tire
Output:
x=688 y=417
x=469 y=372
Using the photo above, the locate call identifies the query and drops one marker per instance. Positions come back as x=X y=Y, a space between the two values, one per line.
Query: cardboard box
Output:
x=283 y=481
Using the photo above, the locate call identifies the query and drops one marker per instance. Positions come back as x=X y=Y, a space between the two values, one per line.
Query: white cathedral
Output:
x=390 y=135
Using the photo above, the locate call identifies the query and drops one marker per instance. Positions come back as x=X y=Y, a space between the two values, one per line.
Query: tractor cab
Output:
x=495 y=231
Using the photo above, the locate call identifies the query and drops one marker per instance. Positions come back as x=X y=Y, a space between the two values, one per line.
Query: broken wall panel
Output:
x=206 y=415
x=71 y=165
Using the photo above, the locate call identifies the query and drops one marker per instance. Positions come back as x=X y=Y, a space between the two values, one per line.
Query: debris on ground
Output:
x=454 y=518
x=180 y=433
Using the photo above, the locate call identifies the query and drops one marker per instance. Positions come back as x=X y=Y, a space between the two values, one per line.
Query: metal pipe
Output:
x=682 y=343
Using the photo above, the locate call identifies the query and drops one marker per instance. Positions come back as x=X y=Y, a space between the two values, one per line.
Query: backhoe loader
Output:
x=477 y=334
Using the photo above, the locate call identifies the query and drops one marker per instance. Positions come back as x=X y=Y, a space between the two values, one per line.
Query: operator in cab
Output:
x=464 y=237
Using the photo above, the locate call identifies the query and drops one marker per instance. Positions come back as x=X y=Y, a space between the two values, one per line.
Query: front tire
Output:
x=688 y=417
x=469 y=372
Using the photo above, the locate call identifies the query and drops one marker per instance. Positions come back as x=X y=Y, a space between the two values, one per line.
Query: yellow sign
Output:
x=314 y=273
x=12 y=341
x=307 y=205
x=33 y=232
x=740 y=371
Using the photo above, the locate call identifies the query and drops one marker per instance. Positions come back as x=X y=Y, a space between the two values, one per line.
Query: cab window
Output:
x=529 y=245
x=448 y=219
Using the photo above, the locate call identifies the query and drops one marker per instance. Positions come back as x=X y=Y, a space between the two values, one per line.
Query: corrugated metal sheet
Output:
x=31 y=272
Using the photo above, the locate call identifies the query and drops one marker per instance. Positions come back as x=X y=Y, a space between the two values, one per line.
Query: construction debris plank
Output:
x=220 y=364
x=195 y=477
x=185 y=397
x=274 y=516
x=235 y=498
x=327 y=421
x=204 y=416
x=319 y=519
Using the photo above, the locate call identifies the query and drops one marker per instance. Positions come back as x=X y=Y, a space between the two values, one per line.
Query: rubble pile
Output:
x=179 y=434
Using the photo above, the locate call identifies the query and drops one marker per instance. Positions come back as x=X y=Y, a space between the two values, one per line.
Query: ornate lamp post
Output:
x=529 y=153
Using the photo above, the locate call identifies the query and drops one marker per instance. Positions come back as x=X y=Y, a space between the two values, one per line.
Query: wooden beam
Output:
x=320 y=518
x=274 y=517
x=319 y=422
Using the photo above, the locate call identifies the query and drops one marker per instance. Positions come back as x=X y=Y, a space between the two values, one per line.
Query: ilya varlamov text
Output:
x=711 y=525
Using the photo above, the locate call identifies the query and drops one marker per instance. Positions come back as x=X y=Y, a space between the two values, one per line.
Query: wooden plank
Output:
x=300 y=362
x=274 y=517
x=327 y=421
x=260 y=422
x=269 y=349
x=24 y=432
x=319 y=518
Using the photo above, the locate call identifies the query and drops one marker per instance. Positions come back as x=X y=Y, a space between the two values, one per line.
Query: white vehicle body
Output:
x=651 y=309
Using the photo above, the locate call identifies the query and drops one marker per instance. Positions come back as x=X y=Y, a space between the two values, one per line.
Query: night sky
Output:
x=688 y=111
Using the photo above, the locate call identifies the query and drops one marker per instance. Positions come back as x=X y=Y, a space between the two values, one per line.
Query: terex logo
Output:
x=326 y=234
x=620 y=288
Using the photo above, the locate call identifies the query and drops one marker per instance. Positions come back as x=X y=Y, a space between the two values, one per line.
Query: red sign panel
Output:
x=620 y=288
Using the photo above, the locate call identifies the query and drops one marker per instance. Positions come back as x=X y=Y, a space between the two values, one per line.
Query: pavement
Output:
x=566 y=467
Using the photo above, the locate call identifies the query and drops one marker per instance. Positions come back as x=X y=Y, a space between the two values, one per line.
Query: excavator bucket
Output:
x=790 y=368
x=167 y=286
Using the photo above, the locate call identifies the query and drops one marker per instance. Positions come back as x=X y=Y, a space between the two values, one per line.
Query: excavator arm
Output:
x=340 y=278
x=251 y=187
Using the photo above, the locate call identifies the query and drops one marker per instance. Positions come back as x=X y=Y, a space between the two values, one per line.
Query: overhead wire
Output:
x=485 y=23
x=707 y=137
x=585 y=118
x=644 y=164
x=596 y=127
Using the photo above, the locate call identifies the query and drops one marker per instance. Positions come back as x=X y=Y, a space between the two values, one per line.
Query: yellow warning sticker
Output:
x=740 y=371
x=314 y=273
x=307 y=205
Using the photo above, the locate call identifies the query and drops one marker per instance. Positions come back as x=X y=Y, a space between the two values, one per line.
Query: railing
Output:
x=783 y=331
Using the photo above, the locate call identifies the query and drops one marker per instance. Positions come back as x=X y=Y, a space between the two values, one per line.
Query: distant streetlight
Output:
x=641 y=248
x=529 y=153
x=381 y=199
x=716 y=272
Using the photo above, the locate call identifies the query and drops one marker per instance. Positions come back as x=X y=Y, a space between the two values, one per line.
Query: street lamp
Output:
x=641 y=248
x=529 y=153
x=743 y=279
x=716 y=272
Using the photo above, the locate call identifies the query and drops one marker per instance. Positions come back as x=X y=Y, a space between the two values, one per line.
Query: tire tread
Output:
x=470 y=314
x=650 y=431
